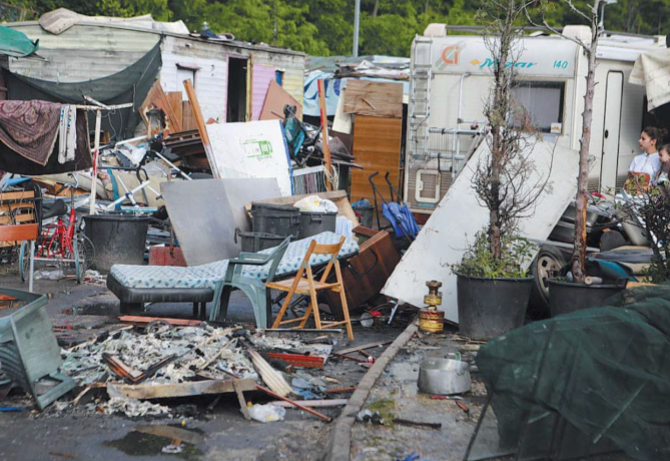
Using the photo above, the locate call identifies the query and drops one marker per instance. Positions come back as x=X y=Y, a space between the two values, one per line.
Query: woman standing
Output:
x=648 y=163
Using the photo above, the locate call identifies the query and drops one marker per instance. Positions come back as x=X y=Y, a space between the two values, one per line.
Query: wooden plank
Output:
x=363 y=347
x=18 y=232
x=16 y=196
x=324 y=133
x=140 y=320
x=375 y=99
x=174 y=99
x=17 y=206
x=163 y=391
x=314 y=403
x=187 y=119
x=376 y=148
x=18 y=219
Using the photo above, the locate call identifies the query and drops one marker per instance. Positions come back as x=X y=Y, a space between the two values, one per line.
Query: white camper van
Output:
x=450 y=82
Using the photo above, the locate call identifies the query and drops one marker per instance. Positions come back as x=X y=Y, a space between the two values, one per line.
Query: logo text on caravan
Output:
x=489 y=63
x=450 y=55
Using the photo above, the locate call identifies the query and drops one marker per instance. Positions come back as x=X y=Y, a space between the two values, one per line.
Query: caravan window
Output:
x=543 y=101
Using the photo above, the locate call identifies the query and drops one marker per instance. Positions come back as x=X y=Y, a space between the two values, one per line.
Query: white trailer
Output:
x=451 y=80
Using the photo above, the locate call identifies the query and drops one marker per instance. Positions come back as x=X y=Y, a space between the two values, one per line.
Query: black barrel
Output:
x=117 y=239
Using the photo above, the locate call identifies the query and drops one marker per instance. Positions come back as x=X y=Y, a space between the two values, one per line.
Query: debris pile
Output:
x=165 y=361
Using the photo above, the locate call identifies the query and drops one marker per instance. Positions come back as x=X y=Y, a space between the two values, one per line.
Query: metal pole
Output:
x=96 y=154
x=357 y=21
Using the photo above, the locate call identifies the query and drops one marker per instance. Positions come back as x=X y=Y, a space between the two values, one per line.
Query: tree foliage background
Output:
x=325 y=27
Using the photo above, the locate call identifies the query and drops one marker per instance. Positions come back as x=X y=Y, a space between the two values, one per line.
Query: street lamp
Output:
x=601 y=24
x=357 y=20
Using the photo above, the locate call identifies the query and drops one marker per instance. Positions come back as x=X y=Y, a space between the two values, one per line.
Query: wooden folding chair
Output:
x=304 y=284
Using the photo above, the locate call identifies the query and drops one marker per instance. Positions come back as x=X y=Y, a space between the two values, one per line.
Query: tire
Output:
x=85 y=255
x=548 y=260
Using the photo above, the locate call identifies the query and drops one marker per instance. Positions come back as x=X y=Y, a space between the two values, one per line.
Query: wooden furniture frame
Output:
x=304 y=284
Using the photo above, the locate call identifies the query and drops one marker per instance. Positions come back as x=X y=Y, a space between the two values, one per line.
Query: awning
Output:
x=16 y=44
x=652 y=70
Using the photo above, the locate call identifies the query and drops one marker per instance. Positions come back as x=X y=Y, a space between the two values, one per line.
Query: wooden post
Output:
x=96 y=152
x=202 y=129
x=324 y=132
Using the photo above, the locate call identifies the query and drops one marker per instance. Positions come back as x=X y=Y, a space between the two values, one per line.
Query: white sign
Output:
x=251 y=150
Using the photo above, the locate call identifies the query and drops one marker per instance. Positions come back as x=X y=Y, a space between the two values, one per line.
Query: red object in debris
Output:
x=166 y=256
x=298 y=360
x=139 y=320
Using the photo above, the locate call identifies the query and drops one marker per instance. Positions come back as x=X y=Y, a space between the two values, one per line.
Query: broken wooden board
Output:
x=459 y=216
x=364 y=347
x=158 y=99
x=139 y=320
x=376 y=99
x=165 y=391
x=338 y=197
x=275 y=100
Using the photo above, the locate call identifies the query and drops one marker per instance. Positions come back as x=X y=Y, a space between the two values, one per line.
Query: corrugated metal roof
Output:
x=232 y=43
x=82 y=53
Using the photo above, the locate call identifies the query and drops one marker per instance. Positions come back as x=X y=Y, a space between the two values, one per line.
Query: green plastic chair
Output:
x=29 y=351
x=255 y=289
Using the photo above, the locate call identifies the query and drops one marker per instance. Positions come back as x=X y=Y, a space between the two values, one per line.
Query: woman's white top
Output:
x=646 y=163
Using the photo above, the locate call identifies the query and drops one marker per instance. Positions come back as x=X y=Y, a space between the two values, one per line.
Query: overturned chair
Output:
x=29 y=352
x=136 y=285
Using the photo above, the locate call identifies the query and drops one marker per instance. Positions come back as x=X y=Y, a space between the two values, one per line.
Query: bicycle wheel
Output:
x=24 y=261
x=85 y=251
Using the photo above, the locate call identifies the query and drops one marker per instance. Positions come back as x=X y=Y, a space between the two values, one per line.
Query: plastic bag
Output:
x=267 y=413
x=316 y=203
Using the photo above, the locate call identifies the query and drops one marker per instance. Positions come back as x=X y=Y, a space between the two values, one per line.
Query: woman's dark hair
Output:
x=658 y=134
x=665 y=147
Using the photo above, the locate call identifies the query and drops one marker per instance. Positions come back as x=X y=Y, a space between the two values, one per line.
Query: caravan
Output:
x=450 y=82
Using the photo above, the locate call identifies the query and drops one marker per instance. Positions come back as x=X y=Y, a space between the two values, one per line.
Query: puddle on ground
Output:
x=150 y=441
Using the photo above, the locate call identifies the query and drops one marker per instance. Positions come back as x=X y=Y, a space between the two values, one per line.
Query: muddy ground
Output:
x=220 y=433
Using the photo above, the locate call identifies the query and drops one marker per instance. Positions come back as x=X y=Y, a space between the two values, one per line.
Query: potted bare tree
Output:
x=493 y=284
x=573 y=293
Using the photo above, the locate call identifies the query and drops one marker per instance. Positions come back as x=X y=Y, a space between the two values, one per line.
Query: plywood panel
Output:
x=376 y=148
x=187 y=119
x=373 y=98
x=174 y=98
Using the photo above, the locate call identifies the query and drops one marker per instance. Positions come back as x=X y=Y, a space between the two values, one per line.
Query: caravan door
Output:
x=612 y=127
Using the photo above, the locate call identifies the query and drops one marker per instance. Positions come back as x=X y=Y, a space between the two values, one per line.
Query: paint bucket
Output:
x=431 y=321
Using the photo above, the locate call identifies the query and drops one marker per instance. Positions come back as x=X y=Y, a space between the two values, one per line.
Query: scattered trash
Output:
x=173 y=448
x=368 y=416
x=267 y=413
x=48 y=275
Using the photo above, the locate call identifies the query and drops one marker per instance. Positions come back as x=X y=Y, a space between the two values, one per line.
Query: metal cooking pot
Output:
x=444 y=377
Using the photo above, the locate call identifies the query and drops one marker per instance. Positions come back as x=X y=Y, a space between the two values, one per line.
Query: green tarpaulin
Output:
x=15 y=43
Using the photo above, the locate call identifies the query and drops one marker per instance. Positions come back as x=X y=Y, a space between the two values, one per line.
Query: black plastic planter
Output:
x=567 y=297
x=491 y=307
